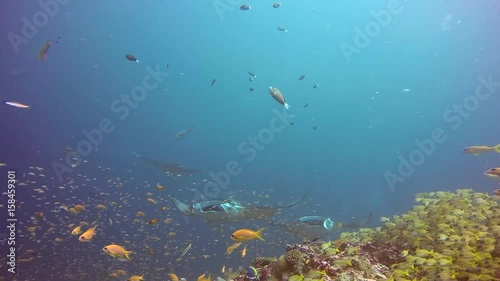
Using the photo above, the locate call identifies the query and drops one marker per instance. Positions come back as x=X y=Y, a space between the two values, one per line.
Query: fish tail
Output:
x=258 y=234
x=287 y=106
x=137 y=61
x=127 y=254
x=497 y=148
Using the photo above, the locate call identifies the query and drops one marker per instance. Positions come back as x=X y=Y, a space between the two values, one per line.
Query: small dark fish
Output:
x=251 y=89
x=250 y=78
x=213 y=81
x=245 y=7
x=131 y=57
x=276 y=5
x=281 y=28
x=167 y=65
x=315 y=127
x=306 y=105
x=292 y=123
x=315 y=86
x=252 y=74
x=301 y=77
x=184 y=133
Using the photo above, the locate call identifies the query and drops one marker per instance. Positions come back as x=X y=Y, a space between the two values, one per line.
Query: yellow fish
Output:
x=136 y=278
x=233 y=247
x=493 y=173
x=153 y=221
x=151 y=200
x=88 y=235
x=247 y=234
x=77 y=230
x=480 y=149
x=203 y=277
x=79 y=208
x=117 y=251
x=173 y=277
x=244 y=252
x=101 y=207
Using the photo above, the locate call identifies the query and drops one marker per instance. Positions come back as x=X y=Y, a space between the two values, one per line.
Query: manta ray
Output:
x=230 y=210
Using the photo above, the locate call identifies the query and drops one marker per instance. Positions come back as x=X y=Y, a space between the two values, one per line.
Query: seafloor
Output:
x=445 y=236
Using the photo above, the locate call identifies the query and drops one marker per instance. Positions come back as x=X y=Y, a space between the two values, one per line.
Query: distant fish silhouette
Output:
x=171 y=169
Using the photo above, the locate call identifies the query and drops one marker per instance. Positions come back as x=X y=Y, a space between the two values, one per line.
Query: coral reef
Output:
x=446 y=236
x=294 y=261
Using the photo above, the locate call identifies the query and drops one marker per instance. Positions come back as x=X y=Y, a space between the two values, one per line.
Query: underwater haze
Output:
x=384 y=97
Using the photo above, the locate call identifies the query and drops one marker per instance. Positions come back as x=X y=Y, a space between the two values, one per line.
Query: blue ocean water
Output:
x=414 y=78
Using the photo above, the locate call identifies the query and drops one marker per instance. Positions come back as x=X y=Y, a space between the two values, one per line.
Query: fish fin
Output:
x=497 y=148
x=127 y=254
x=287 y=106
x=183 y=208
x=258 y=234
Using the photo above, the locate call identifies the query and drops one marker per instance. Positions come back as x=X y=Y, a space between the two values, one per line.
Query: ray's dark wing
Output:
x=359 y=224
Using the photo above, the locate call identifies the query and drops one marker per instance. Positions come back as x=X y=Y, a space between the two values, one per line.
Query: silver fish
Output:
x=278 y=96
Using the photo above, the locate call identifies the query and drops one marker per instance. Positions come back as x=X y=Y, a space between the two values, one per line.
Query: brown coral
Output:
x=294 y=261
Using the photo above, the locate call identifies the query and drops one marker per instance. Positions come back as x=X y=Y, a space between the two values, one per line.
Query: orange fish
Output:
x=136 y=278
x=233 y=247
x=247 y=234
x=117 y=251
x=244 y=252
x=88 y=235
x=153 y=221
x=42 y=55
x=173 y=277
x=493 y=173
x=203 y=277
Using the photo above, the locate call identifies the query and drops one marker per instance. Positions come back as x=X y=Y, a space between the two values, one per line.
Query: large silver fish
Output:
x=229 y=210
x=278 y=96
